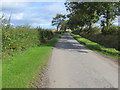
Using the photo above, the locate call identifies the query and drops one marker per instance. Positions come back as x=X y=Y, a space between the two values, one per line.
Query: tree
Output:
x=58 y=20
x=109 y=11
x=84 y=13
x=63 y=25
x=88 y=13
x=72 y=22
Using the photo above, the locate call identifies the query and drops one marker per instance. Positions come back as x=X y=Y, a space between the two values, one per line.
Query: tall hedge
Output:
x=45 y=35
x=17 y=40
x=107 y=37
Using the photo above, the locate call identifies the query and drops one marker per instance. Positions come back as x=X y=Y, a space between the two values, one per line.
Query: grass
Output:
x=97 y=47
x=21 y=70
x=0 y=74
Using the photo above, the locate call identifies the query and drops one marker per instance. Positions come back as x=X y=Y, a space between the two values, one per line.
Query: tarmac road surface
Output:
x=74 y=66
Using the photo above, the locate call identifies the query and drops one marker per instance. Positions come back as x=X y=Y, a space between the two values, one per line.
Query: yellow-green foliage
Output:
x=17 y=40
x=23 y=69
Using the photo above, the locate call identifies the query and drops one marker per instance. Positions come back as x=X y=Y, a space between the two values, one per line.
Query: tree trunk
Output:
x=108 y=22
x=81 y=29
x=57 y=27
x=65 y=29
x=90 y=27
x=108 y=19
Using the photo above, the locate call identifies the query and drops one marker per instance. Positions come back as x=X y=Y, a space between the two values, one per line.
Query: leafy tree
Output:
x=109 y=11
x=72 y=23
x=84 y=12
x=64 y=25
x=58 y=20
x=87 y=13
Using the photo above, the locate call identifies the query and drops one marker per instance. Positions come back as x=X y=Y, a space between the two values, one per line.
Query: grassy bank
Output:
x=106 y=37
x=97 y=47
x=20 y=70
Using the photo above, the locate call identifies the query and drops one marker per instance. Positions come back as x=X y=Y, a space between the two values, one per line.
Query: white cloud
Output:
x=17 y=16
x=34 y=0
x=12 y=24
x=14 y=16
x=56 y=7
x=34 y=14
x=116 y=23
x=13 y=5
x=1 y=14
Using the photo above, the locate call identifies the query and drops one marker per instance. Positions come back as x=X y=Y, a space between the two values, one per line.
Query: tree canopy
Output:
x=57 y=20
x=88 y=13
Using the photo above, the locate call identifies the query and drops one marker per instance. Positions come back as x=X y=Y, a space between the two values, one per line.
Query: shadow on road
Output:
x=68 y=42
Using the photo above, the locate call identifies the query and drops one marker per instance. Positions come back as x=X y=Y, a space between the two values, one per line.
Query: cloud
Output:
x=1 y=14
x=115 y=23
x=18 y=16
x=34 y=0
x=35 y=14
x=12 y=24
x=56 y=7
x=10 y=6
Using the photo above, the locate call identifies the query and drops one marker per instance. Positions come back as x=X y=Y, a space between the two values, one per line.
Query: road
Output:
x=74 y=66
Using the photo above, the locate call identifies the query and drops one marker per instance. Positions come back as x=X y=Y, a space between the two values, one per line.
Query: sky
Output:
x=35 y=13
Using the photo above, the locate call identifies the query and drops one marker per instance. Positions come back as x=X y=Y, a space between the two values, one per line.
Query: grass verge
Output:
x=97 y=47
x=21 y=70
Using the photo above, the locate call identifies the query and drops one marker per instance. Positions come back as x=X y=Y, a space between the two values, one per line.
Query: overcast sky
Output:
x=34 y=13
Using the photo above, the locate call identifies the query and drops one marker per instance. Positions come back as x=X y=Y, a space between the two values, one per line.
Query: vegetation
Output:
x=17 y=40
x=97 y=47
x=21 y=70
x=85 y=14
x=58 y=21
x=110 y=40
x=25 y=52
x=45 y=35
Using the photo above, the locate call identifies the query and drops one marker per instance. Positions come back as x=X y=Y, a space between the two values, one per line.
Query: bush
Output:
x=76 y=32
x=18 y=40
x=108 y=38
x=110 y=30
x=59 y=32
x=119 y=39
x=45 y=35
x=85 y=29
x=95 y=30
x=97 y=47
